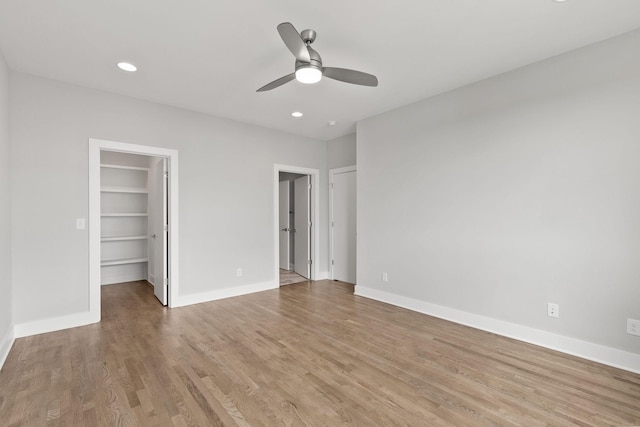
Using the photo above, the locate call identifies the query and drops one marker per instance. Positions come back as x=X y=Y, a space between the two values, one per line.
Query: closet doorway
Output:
x=133 y=198
x=134 y=220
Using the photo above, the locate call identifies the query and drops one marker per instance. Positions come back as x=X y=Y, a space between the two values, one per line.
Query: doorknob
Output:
x=285 y=229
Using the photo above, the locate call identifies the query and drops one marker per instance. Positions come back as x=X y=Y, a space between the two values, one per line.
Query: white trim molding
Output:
x=586 y=350
x=5 y=345
x=323 y=275
x=224 y=293
x=52 y=324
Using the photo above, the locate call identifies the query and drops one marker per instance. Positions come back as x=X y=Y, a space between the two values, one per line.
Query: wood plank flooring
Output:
x=307 y=354
x=290 y=277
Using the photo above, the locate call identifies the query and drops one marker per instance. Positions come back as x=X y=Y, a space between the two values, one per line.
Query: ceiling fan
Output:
x=309 y=67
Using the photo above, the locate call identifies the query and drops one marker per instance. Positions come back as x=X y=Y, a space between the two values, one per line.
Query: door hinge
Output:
x=165 y=228
x=331 y=262
x=310 y=262
x=166 y=174
x=310 y=186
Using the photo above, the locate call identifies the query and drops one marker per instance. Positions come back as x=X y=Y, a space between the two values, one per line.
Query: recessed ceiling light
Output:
x=297 y=114
x=125 y=66
x=559 y=1
x=332 y=122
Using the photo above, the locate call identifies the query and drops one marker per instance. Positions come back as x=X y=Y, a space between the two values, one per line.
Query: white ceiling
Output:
x=211 y=55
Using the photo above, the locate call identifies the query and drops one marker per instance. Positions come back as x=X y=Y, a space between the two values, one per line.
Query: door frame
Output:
x=95 y=147
x=315 y=217
x=301 y=219
x=332 y=174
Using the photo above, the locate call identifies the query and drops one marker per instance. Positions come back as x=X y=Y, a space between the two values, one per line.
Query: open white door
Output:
x=343 y=226
x=161 y=233
x=285 y=227
x=302 y=220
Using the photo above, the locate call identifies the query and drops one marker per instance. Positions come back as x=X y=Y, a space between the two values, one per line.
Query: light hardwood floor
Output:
x=290 y=277
x=306 y=354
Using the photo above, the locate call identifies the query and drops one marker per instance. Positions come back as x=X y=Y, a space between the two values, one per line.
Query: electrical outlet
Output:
x=239 y=272
x=553 y=310
x=633 y=327
x=385 y=277
x=81 y=223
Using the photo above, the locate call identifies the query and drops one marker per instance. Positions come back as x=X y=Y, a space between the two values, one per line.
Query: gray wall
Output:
x=224 y=224
x=6 y=330
x=341 y=151
x=499 y=197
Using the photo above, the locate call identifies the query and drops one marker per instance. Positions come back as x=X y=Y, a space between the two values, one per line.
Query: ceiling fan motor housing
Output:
x=316 y=60
x=308 y=36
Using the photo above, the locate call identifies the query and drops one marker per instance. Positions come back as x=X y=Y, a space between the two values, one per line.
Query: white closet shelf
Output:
x=124 y=190
x=122 y=261
x=132 y=168
x=122 y=238
x=124 y=214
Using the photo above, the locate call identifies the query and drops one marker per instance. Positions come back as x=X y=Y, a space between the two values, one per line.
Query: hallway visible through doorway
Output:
x=290 y=277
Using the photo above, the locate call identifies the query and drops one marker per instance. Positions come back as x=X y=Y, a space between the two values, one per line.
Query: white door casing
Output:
x=160 y=236
x=95 y=146
x=342 y=189
x=284 y=225
x=302 y=226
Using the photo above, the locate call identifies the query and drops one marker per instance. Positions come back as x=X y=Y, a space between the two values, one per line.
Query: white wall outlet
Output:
x=633 y=327
x=553 y=310
x=239 y=272
x=385 y=277
x=81 y=223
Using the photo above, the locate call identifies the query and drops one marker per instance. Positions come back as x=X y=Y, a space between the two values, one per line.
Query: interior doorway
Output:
x=161 y=236
x=295 y=227
x=296 y=211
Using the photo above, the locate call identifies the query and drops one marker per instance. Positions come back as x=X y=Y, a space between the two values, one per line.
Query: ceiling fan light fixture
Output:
x=308 y=68
x=308 y=75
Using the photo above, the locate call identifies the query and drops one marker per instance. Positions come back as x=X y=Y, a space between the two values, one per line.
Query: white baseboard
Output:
x=122 y=278
x=323 y=275
x=586 y=350
x=54 y=324
x=223 y=293
x=86 y=318
x=5 y=345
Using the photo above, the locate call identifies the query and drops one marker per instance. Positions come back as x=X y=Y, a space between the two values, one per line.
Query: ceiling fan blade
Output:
x=291 y=37
x=350 y=76
x=277 y=83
